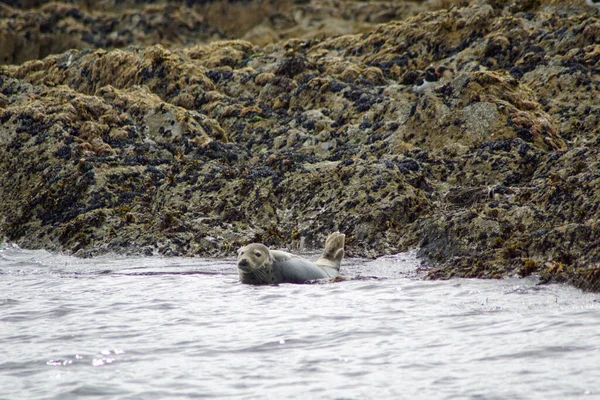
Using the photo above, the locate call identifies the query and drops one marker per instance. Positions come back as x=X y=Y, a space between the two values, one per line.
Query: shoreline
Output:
x=199 y=149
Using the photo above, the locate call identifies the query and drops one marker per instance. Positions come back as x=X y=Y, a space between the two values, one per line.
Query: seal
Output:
x=257 y=264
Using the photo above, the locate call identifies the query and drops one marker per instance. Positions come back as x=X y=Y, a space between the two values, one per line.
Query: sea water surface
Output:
x=172 y=328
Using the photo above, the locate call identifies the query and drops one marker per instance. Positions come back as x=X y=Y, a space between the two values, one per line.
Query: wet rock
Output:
x=196 y=150
x=56 y=27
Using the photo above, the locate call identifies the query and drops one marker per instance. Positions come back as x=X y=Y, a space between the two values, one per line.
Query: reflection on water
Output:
x=158 y=328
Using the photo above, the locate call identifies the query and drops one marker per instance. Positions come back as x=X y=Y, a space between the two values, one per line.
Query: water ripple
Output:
x=159 y=328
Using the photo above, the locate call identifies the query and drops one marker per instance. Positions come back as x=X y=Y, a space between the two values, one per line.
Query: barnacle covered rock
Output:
x=181 y=145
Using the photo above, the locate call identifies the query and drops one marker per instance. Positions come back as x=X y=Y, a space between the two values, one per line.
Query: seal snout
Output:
x=244 y=264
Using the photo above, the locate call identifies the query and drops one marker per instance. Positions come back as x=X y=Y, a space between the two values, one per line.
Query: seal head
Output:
x=255 y=264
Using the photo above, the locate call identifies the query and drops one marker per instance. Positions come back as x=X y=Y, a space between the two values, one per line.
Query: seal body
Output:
x=257 y=264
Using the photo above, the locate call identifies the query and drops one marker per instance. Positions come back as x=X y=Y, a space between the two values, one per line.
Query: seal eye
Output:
x=257 y=254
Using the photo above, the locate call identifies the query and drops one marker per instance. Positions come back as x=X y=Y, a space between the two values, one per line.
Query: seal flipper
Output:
x=334 y=251
x=339 y=255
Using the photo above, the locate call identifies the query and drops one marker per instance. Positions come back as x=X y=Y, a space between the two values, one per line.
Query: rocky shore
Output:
x=153 y=127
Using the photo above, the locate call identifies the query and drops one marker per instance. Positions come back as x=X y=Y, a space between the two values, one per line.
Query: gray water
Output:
x=170 y=328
